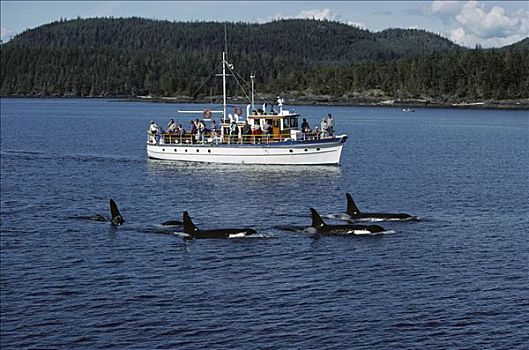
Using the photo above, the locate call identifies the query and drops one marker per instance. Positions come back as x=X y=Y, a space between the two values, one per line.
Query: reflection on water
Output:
x=204 y=169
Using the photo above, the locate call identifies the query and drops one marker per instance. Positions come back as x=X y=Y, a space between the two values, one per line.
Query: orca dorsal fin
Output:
x=317 y=221
x=352 y=209
x=116 y=218
x=189 y=226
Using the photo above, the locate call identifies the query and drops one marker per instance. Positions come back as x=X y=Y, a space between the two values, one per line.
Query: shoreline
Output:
x=325 y=100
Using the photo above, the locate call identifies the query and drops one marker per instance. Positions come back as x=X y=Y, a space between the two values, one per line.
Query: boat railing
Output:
x=216 y=139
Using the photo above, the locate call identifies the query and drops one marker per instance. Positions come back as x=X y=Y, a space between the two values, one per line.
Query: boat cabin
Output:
x=270 y=126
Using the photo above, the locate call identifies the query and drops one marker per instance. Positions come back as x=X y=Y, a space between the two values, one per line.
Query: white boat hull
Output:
x=296 y=153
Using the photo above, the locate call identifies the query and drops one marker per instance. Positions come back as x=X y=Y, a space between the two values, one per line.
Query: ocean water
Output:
x=459 y=278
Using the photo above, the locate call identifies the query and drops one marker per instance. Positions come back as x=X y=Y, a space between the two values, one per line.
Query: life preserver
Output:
x=237 y=110
x=207 y=113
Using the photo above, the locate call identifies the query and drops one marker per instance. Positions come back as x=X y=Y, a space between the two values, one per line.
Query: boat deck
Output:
x=217 y=139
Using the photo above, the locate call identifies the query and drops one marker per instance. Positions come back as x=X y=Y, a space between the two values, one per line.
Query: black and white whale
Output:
x=318 y=226
x=115 y=216
x=354 y=214
x=192 y=232
x=172 y=223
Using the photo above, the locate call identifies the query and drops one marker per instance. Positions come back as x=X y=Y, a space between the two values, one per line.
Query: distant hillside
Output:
x=134 y=56
x=308 y=40
x=520 y=45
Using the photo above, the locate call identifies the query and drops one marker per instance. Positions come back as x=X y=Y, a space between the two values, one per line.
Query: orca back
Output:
x=317 y=221
x=117 y=219
x=189 y=226
x=172 y=223
x=352 y=209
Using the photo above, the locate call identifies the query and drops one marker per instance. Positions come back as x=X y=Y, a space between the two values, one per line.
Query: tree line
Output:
x=130 y=57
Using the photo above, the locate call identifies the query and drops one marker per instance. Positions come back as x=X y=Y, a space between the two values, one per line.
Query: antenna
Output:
x=252 y=76
x=225 y=39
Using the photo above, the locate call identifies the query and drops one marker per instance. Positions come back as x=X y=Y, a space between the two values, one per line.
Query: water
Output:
x=457 y=279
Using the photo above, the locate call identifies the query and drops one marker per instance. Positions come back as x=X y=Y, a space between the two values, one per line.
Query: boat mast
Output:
x=252 y=76
x=224 y=63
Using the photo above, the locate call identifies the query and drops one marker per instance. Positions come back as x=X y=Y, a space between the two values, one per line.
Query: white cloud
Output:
x=445 y=7
x=472 y=23
x=6 y=33
x=323 y=14
x=318 y=14
x=106 y=9
x=485 y=24
x=357 y=24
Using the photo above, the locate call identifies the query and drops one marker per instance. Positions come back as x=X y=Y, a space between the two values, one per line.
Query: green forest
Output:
x=136 y=57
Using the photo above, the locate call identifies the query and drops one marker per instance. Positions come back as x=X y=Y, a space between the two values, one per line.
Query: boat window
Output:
x=286 y=123
x=276 y=123
x=294 y=122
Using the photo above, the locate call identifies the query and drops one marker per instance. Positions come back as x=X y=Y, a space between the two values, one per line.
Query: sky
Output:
x=467 y=23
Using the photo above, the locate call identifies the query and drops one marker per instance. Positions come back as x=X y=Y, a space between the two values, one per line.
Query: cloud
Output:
x=324 y=14
x=106 y=9
x=318 y=14
x=6 y=33
x=495 y=23
x=473 y=22
x=445 y=7
x=360 y=25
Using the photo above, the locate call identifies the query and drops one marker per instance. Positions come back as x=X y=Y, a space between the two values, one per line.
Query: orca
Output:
x=193 y=232
x=354 y=214
x=115 y=216
x=318 y=226
x=172 y=223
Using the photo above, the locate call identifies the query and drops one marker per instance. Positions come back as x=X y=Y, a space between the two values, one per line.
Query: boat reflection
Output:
x=157 y=167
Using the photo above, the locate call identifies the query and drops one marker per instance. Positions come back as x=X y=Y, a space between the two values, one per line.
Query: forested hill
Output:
x=295 y=58
x=307 y=40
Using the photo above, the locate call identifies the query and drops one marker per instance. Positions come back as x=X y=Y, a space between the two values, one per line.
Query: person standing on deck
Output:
x=324 y=126
x=330 y=124
x=201 y=128
x=213 y=129
x=305 y=127
x=154 y=131
x=171 y=126
x=246 y=132
x=233 y=132
x=194 y=130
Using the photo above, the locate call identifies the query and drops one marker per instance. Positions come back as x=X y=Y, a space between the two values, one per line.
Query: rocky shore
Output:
x=366 y=101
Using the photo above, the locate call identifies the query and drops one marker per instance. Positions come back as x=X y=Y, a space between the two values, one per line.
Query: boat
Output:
x=258 y=136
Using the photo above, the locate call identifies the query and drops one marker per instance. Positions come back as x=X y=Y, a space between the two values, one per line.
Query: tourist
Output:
x=213 y=129
x=171 y=126
x=154 y=131
x=234 y=132
x=323 y=126
x=305 y=128
x=201 y=127
x=330 y=125
x=154 y=128
x=246 y=132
